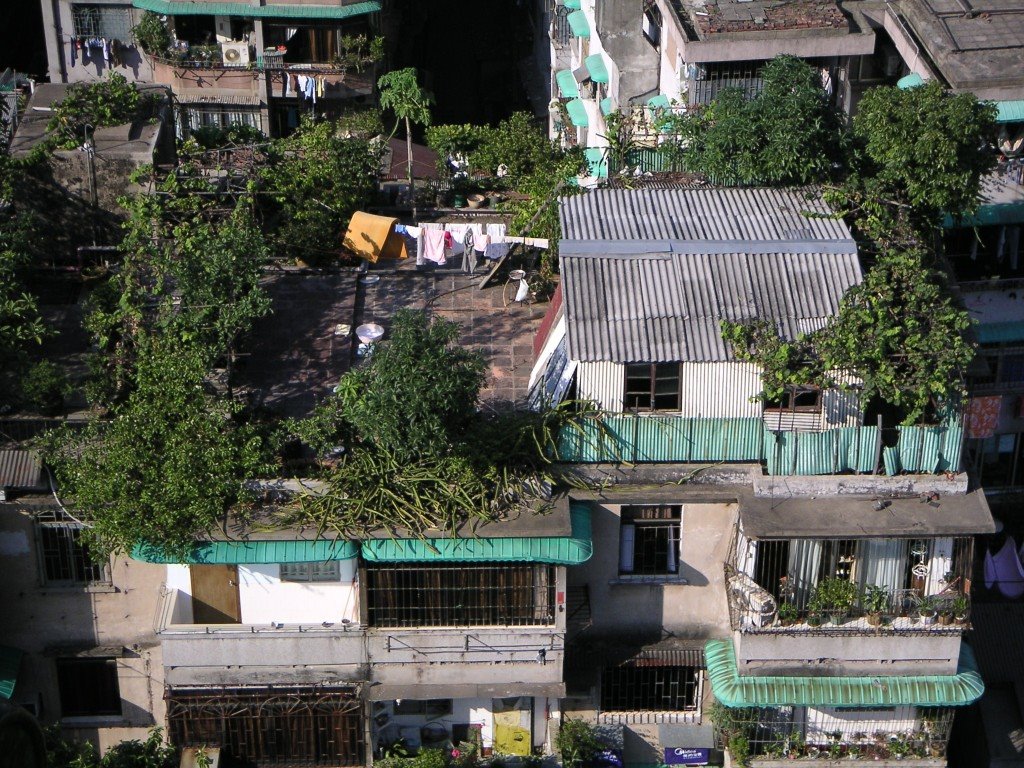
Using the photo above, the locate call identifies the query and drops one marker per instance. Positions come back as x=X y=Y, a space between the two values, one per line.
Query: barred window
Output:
x=88 y=687
x=636 y=687
x=64 y=558
x=329 y=571
x=649 y=540
x=216 y=116
x=109 y=21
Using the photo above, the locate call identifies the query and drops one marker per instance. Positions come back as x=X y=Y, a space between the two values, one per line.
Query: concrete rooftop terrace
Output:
x=716 y=17
x=296 y=355
x=977 y=45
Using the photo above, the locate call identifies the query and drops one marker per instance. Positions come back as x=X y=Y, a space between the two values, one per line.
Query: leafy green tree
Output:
x=901 y=332
x=152 y=34
x=786 y=134
x=317 y=179
x=87 y=106
x=921 y=152
x=154 y=752
x=401 y=93
x=168 y=464
x=21 y=326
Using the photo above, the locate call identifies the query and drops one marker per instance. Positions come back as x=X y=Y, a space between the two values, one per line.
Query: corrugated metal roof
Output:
x=253 y=552
x=201 y=98
x=667 y=307
x=299 y=11
x=560 y=550
x=10 y=661
x=20 y=469
x=703 y=215
x=735 y=690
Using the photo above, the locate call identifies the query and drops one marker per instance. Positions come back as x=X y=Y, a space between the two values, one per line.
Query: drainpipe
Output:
x=58 y=38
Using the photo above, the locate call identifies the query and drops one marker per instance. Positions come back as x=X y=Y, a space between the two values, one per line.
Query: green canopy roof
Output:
x=300 y=11
x=573 y=5
x=571 y=550
x=578 y=24
x=567 y=85
x=596 y=67
x=10 y=661
x=988 y=214
x=253 y=552
x=577 y=113
x=597 y=162
x=991 y=333
x=1010 y=111
x=661 y=101
x=910 y=81
x=607 y=107
x=735 y=690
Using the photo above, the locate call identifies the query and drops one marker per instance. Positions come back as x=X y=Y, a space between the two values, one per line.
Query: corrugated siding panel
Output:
x=20 y=469
x=662 y=439
x=603 y=383
x=781 y=420
x=299 y=11
x=928 y=449
x=698 y=214
x=720 y=390
x=861 y=452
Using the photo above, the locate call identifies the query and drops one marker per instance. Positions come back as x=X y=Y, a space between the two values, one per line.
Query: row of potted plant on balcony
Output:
x=857 y=746
x=833 y=601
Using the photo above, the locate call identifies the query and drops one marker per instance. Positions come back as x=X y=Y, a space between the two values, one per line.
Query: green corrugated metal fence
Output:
x=639 y=439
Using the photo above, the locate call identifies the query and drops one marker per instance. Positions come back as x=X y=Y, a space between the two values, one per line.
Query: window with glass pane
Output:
x=652 y=387
x=64 y=557
x=649 y=540
x=109 y=21
x=329 y=571
x=88 y=687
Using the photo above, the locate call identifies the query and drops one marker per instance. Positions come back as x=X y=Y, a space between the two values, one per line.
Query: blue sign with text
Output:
x=686 y=756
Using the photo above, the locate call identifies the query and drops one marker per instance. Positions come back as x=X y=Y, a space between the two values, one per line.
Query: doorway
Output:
x=215 y=594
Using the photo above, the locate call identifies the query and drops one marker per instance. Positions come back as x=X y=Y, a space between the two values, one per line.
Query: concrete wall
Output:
x=47 y=622
x=265 y=599
x=633 y=606
x=818 y=653
x=620 y=31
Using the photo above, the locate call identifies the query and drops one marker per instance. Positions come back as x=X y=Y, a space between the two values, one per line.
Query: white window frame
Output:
x=69 y=540
x=326 y=571
x=627 y=541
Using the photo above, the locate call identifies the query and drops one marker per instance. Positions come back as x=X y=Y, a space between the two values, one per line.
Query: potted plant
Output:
x=875 y=603
x=788 y=614
x=946 y=615
x=899 y=747
x=813 y=617
x=927 y=610
x=961 y=608
x=836 y=597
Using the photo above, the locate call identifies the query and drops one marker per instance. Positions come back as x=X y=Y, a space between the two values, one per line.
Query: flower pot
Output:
x=945 y=619
x=928 y=618
x=475 y=201
x=875 y=619
x=837 y=617
x=814 y=620
x=460 y=201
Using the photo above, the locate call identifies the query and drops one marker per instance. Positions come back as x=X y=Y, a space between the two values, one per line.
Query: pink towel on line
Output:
x=433 y=245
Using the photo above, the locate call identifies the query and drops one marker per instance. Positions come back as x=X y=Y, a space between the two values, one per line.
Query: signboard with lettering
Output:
x=686 y=756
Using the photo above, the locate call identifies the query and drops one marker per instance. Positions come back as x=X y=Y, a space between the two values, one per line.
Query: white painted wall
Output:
x=822 y=723
x=264 y=598
x=471 y=711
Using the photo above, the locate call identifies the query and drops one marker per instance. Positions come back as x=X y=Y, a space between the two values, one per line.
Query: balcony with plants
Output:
x=842 y=586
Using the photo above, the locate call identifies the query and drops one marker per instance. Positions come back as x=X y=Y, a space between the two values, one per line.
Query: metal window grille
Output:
x=561 y=34
x=328 y=571
x=649 y=540
x=297 y=727
x=196 y=117
x=797 y=732
x=88 y=687
x=634 y=687
x=409 y=595
x=109 y=21
x=652 y=387
x=64 y=558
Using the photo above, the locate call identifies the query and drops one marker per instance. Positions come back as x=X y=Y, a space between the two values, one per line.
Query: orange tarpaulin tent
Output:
x=373 y=237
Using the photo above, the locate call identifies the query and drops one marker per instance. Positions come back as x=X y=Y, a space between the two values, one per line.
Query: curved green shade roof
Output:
x=1010 y=111
x=567 y=550
x=577 y=113
x=607 y=107
x=567 y=85
x=597 y=162
x=578 y=24
x=661 y=101
x=179 y=8
x=10 y=661
x=910 y=81
x=574 y=5
x=252 y=552
x=734 y=690
x=597 y=68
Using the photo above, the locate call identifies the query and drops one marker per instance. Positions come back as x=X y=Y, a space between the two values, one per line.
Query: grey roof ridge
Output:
x=607 y=248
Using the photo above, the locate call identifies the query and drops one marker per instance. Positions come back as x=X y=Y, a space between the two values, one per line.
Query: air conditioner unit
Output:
x=236 y=54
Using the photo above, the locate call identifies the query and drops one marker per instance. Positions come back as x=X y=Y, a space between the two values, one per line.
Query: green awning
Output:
x=992 y=333
x=597 y=162
x=566 y=550
x=735 y=690
x=567 y=85
x=989 y=215
x=596 y=67
x=578 y=24
x=577 y=113
x=300 y=11
x=607 y=107
x=1010 y=111
x=10 y=661
x=573 y=5
x=661 y=101
x=253 y=552
x=910 y=81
